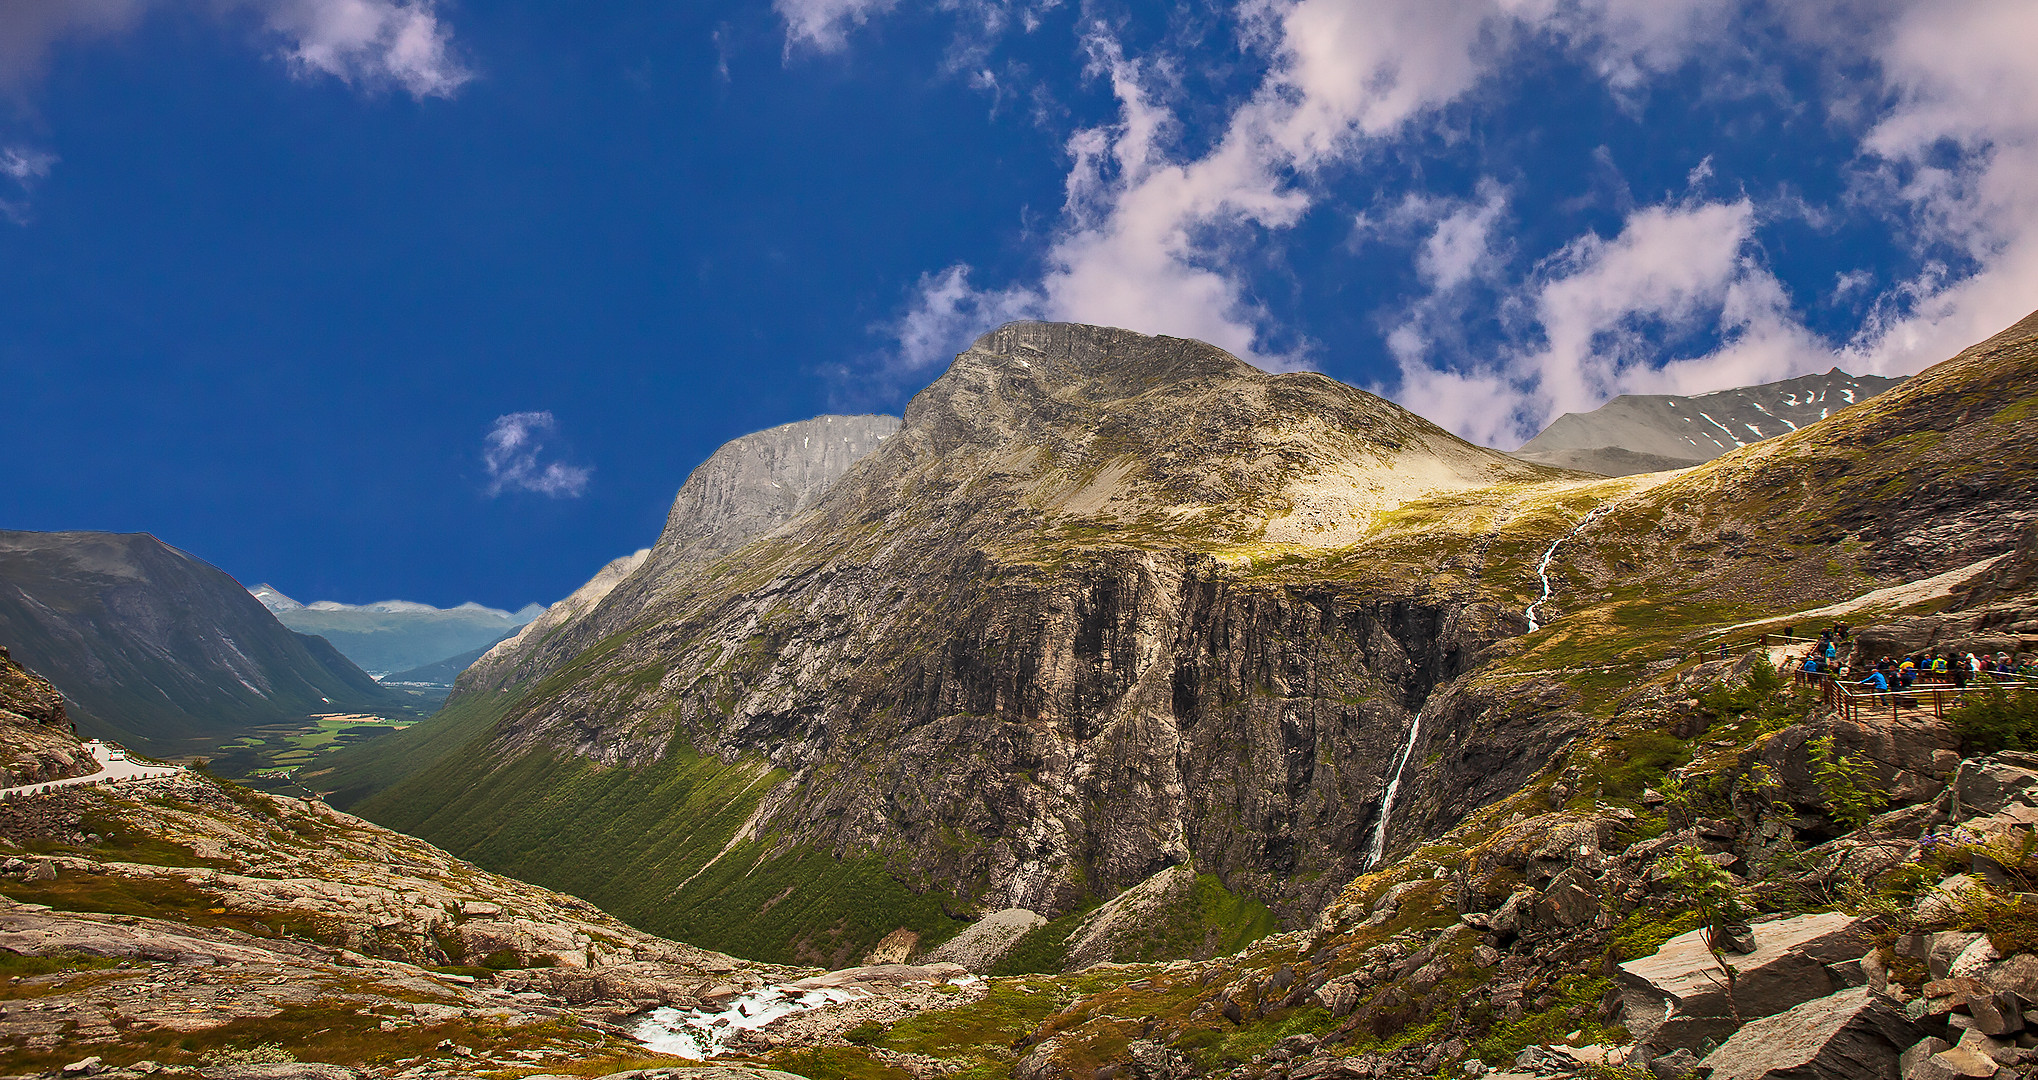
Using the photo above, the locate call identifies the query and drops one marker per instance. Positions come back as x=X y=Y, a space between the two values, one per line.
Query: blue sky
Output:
x=387 y=298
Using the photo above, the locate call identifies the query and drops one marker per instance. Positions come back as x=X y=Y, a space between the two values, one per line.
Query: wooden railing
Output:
x=1934 y=690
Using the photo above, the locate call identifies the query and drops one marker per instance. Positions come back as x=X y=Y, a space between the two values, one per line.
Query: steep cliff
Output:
x=747 y=488
x=1040 y=645
x=36 y=742
x=159 y=650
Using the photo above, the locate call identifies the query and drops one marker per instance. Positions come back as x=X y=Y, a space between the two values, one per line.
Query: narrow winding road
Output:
x=113 y=765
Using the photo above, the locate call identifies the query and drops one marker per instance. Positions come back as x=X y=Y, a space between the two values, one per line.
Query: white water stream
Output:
x=1379 y=850
x=704 y=1033
x=1543 y=568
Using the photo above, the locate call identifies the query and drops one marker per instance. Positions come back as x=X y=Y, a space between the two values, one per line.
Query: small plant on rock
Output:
x=1721 y=903
x=1848 y=782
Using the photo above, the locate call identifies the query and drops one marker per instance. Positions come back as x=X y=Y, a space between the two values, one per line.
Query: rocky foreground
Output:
x=187 y=926
x=185 y=923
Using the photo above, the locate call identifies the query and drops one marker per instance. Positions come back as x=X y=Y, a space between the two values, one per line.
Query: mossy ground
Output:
x=342 y=1033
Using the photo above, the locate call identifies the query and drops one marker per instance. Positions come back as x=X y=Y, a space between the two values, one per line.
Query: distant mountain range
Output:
x=1639 y=433
x=391 y=636
x=157 y=649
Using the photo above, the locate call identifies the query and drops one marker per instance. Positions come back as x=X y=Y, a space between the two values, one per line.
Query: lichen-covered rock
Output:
x=36 y=740
x=1851 y=1035
x=1678 y=996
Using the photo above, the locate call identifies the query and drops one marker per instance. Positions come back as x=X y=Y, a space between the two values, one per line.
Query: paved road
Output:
x=113 y=765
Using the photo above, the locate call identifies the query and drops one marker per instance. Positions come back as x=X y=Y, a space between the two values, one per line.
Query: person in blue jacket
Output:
x=1876 y=681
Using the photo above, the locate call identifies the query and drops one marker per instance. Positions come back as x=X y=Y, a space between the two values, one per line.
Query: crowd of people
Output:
x=1901 y=673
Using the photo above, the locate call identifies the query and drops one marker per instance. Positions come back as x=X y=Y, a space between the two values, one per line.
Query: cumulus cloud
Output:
x=825 y=24
x=1963 y=76
x=368 y=43
x=1603 y=307
x=1161 y=240
x=1149 y=237
x=511 y=453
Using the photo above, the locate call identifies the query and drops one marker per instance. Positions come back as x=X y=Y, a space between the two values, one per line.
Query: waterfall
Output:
x=1393 y=786
x=1543 y=568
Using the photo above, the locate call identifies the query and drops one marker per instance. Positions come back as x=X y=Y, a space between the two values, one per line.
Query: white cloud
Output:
x=511 y=453
x=368 y=43
x=1964 y=77
x=1461 y=247
x=25 y=166
x=362 y=42
x=1149 y=239
x=946 y=312
x=1602 y=308
x=825 y=24
x=1158 y=240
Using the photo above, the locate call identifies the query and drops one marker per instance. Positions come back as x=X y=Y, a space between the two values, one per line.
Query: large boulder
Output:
x=1992 y=785
x=1678 y=995
x=1851 y=1035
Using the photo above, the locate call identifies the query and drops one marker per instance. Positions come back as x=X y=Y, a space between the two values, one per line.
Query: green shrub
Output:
x=1996 y=719
x=865 y=1033
x=1849 y=784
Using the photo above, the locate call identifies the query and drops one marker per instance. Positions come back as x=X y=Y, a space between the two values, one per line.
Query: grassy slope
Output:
x=636 y=842
x=353 y=775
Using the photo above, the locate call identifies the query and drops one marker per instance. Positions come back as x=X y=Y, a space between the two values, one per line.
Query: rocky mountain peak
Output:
x=1636 y=433
x=1099 y=423
x=1075 y=362
x=748 y=487
x=753 y=484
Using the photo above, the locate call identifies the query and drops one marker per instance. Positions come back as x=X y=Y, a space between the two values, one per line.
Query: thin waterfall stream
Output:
x=1379 y=850
x=1543 y=568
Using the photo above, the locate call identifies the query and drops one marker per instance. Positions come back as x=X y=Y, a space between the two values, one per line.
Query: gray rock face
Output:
x=1637 y=433
x=1851 y=1035
x=754 y=484
x=958 y=641
x=500 y=664
x=746 y=489
x=35 y=732
x=1678 y=996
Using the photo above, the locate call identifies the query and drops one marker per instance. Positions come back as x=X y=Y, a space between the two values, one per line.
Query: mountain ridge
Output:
x=1636 y=433
x=159 y=649
x=390 y=636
